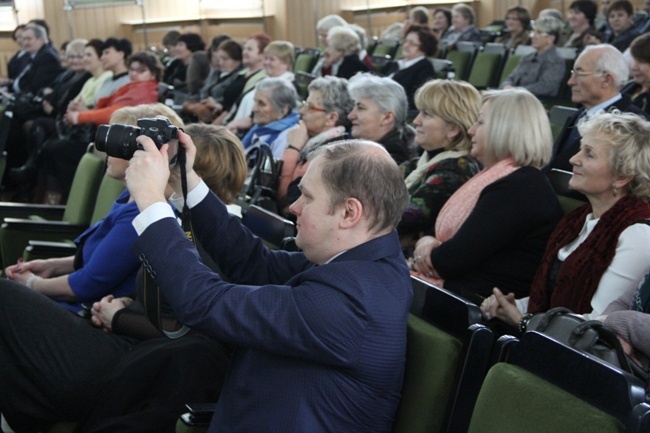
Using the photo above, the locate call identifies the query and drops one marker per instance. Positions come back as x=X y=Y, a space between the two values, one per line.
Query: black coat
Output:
x=413 y=77
x=350 y=66
x=44 y=69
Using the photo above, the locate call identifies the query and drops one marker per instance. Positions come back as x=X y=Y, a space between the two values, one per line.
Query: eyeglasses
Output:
x=583 y=74
x=307 y=106
x=75 y=57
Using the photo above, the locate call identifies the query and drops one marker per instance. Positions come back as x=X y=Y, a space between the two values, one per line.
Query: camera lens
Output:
x=117 y=140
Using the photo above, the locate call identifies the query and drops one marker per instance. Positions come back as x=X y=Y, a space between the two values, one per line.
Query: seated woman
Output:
x=73 y=280
x=518 y=28
x=80 y=361
x=59 y=157
x=639 y=89
x=447 y=110
x=278 y=63
x=379 y=114
x=273 y=115
x=581 y=17
x=599 y=252
x=441 y=22
x=215 y=96
x=324 y=119
x=186 y=46
x=414 y=69
x=341 y=56
x=620 y=18
x=492 y=231
x=541 y=72
x=462 y=29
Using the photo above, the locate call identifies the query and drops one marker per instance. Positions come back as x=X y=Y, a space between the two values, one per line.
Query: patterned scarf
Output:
x=580 y=274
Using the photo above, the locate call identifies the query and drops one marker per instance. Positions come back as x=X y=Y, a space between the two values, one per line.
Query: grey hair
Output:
x=39 y=31
x=336 y=96
x=330 y=21
x=361 y=32
x=282 y=94
x=344 y=39
x=551 y=25
x=610 y=60
x=76 y=46
x=385 y=92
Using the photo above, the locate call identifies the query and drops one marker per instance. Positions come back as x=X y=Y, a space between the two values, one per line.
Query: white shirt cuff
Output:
x=150 y=215
x=194 y=197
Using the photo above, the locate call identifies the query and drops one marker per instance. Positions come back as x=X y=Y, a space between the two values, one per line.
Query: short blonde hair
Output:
x=220 y=159
x=456 y=102
x=344 y=39
x=627 y=134
x=517 y=126
x=466 y=11
x=130 y=115
x=283 y=50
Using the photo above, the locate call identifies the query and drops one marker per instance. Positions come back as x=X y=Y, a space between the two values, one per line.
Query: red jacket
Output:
x=131 y=94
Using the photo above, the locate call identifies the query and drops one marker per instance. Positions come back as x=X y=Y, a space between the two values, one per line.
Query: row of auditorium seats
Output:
x=458 y=379
x=91 y=196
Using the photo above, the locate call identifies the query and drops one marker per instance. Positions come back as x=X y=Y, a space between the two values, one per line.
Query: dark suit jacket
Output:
x=565 y=146
x=317 y=348
x=45 y=67
x=350 y=66
x=413 y=77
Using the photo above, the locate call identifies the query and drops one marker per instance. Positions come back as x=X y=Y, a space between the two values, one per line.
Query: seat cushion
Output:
x=512 y=400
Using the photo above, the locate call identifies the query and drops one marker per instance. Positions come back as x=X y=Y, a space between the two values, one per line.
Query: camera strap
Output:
x=154 y=302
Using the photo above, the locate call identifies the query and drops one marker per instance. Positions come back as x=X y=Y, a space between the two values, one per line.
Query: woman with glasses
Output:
x=540 y=72
x=323 y=119
x=518 y=28
x=414 y=67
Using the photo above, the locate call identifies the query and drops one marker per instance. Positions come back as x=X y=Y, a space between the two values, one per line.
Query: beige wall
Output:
x=294 y=20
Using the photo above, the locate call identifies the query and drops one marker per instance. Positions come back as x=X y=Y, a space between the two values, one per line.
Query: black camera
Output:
x=119 y=140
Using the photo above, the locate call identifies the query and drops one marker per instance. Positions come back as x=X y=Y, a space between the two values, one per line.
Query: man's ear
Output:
x=352 y=213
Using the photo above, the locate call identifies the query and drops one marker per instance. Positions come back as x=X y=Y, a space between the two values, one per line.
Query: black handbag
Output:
x=26 y=106
x=589 y=336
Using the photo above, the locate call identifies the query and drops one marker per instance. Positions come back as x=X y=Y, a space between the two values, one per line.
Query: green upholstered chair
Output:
x=542 y=385
x=568 y=199
x=108 y=192
x=448 y=354
x=485 y=69
x=268 y=226
x=306 y=60
x=461 y=61
x=386 y=48
x=15 y=233
x=508 y=67
x=557 y=116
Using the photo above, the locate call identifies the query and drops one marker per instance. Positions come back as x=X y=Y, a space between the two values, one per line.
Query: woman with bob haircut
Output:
x=492 y=231
x=414 y=68
x=463 y=27
x=540 y=72
x=518 y=26
x=598 y=252
x=447 y=110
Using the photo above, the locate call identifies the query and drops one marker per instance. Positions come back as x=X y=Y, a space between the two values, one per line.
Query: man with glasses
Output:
x=598 y=74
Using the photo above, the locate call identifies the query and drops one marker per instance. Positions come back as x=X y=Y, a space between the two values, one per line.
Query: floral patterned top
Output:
x=428 y=196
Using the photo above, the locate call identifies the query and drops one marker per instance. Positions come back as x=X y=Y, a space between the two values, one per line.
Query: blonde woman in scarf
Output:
x=493 y=230
x=447 y=109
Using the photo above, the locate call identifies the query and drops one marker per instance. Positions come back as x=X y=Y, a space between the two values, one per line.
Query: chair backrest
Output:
x=567 y=52
x=484 y=70
x=266 y=225
x=523 y=50
x=384 y=48
x=301 y=81
x=543 y=385
x=495 y=47
x=108 y=192
x=305 y=61
x=509 y=66
x=447 y=358
x=443 y=68
x=381 y=63
x=559 y=180
x=462 y=62
x=83 y=192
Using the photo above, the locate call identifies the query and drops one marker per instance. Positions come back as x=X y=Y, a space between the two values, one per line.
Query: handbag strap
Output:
x=606 y=336
x=548 y=316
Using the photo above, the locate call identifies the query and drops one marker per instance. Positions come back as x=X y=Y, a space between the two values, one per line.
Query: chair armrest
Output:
x=15 y=235
x=46 y=250
x=23 y=210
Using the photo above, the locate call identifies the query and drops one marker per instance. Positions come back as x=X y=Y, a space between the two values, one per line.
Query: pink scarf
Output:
x=454 y=213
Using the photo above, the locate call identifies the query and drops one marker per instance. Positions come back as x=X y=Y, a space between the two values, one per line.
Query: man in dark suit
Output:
x=44 y=65
x=319 y=336
x=598 y=75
